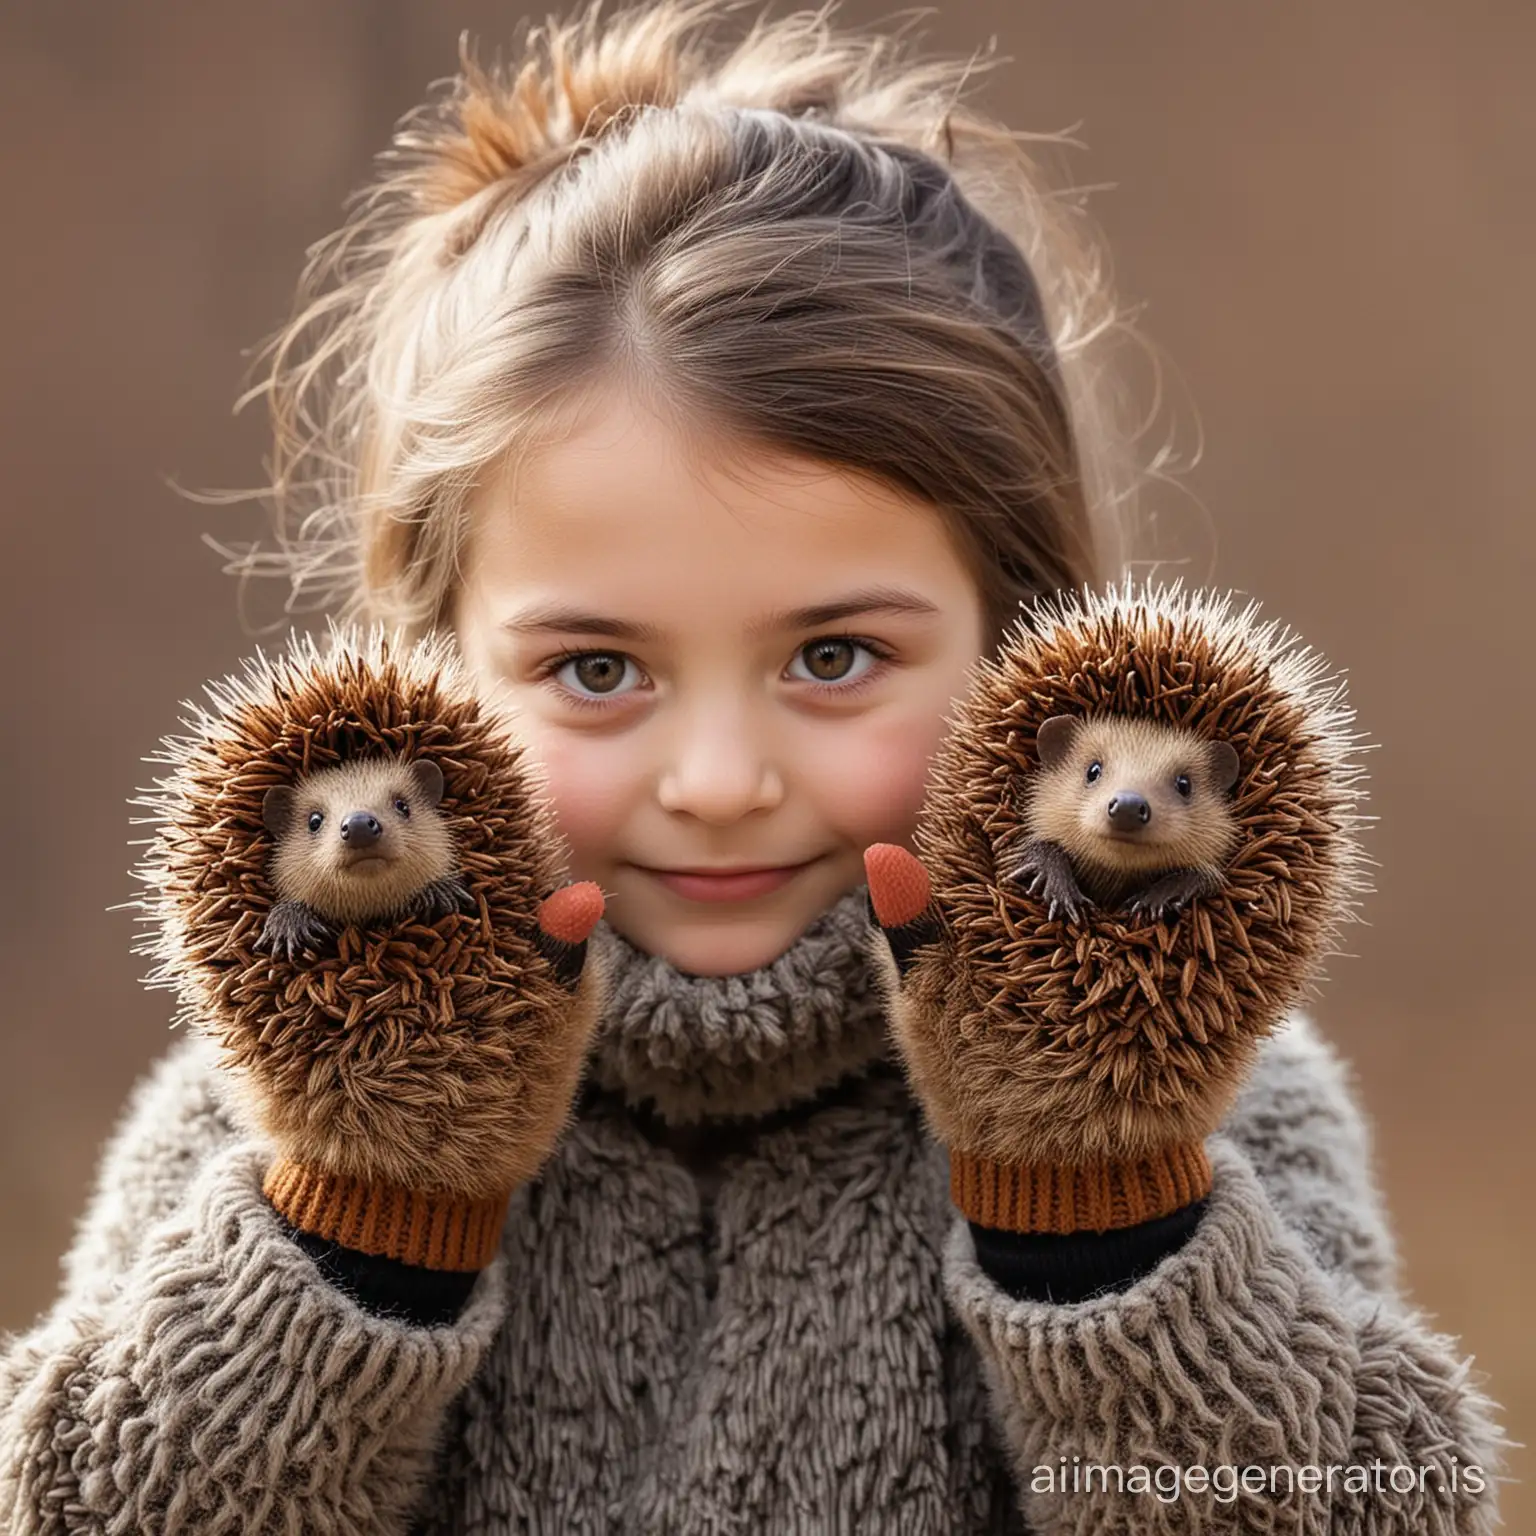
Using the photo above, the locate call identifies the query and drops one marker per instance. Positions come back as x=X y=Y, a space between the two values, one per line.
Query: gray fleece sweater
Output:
x=787 y=1331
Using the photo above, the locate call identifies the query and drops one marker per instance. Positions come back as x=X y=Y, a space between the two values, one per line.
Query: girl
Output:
x=723 y=407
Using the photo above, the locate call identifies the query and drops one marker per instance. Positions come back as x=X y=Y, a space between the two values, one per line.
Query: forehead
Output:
x=1145 y=740
x=365 y=776
x=650 y=521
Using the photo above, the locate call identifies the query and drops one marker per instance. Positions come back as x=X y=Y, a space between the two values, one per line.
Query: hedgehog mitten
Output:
x=356 y=890
x=1139 y=841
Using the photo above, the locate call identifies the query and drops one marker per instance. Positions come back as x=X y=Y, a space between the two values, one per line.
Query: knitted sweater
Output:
x=789 y=1332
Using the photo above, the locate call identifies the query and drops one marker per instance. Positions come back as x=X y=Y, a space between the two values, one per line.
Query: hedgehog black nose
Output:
x=1128 y=812
x=360 y=829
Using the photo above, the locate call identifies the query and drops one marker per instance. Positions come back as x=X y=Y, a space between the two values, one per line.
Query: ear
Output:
x=1054 y=739
x=277 y=809
x=1224 y=764
x=428 y=778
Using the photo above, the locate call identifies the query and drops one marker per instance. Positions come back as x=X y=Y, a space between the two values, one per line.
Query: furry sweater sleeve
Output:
x=1274 y=1338
x=197 y=1373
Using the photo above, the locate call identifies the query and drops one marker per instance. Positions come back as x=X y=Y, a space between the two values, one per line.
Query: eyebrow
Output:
x=545 y=617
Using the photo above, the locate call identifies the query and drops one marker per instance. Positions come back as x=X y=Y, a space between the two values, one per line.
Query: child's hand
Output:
x=1049 y=1129
x=470 y=1106
x=410 y=1065
x=1073 y=1055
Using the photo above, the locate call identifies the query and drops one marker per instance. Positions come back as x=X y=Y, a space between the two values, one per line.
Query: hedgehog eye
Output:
x=1181 y=783
x=402 y=805
x=315 y=820
x=1094 y=770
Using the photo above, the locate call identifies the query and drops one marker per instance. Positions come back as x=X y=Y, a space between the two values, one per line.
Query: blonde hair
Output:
x=804 y=241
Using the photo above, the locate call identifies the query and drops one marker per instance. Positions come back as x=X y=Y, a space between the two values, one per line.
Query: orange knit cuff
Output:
x=430 y=1230
x=1089 y=1197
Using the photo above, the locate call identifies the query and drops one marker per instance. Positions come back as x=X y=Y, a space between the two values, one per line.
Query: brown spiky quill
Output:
x=1060 y=1044
x=439 y=1056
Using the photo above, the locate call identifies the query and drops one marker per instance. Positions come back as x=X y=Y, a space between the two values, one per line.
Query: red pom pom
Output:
x=572 y=912
x=898 y=884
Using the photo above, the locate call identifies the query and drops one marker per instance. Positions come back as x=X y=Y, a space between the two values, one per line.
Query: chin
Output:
x=716 y=943
x=729 y=948
x=727 y=939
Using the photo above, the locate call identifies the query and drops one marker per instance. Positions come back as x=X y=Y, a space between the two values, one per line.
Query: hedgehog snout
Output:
x=360 y=829
x=1128 y=811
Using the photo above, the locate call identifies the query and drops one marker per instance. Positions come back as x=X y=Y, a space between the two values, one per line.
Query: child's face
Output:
x=685 y=719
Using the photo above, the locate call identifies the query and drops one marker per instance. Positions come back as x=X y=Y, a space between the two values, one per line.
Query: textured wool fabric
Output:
x=813 y=1349
x=1086 y=1197
x=430 y=1230
x=695 y=1048
x=1072 y=1266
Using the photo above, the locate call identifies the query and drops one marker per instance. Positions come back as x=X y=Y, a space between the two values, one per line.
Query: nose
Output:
x=360 y=829
x=716 y=772
x=1128 y=811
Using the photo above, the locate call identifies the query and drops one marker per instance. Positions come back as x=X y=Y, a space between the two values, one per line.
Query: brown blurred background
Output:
x=1326 y=213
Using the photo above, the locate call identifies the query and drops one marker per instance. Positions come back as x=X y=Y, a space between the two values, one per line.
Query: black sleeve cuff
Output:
x=1053 y=1266
x=424 y=1298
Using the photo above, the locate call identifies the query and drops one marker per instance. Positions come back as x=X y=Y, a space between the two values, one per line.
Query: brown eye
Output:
x=841 y=664
x=1181 y=783
x=598 y=671
x=828 y=660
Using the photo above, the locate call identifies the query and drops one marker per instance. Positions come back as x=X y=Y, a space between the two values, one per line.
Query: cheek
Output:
x=587 y=789
x=869 y=782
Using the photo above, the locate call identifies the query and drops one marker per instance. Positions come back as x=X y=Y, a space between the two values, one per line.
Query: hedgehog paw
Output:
x=1045 y=874
x=1167 y=897
x=290 y=929
x=1059 y=905
x=444 y=897
x=1154 y=909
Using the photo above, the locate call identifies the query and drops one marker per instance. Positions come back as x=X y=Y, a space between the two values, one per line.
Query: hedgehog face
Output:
x=1132 y=796
x=357 y=841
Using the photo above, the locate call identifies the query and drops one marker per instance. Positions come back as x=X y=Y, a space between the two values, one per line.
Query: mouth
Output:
x=1132 y=847
x=364 y=863
x=736 y=883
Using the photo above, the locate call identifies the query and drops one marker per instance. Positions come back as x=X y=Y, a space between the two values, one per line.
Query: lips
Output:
x=738 y=883
x=726 y=870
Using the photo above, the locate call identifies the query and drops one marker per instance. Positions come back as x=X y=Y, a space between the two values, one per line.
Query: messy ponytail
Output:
x=805 y=241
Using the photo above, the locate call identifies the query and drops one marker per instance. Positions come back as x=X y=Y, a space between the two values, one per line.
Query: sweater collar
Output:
x=697 y=1048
